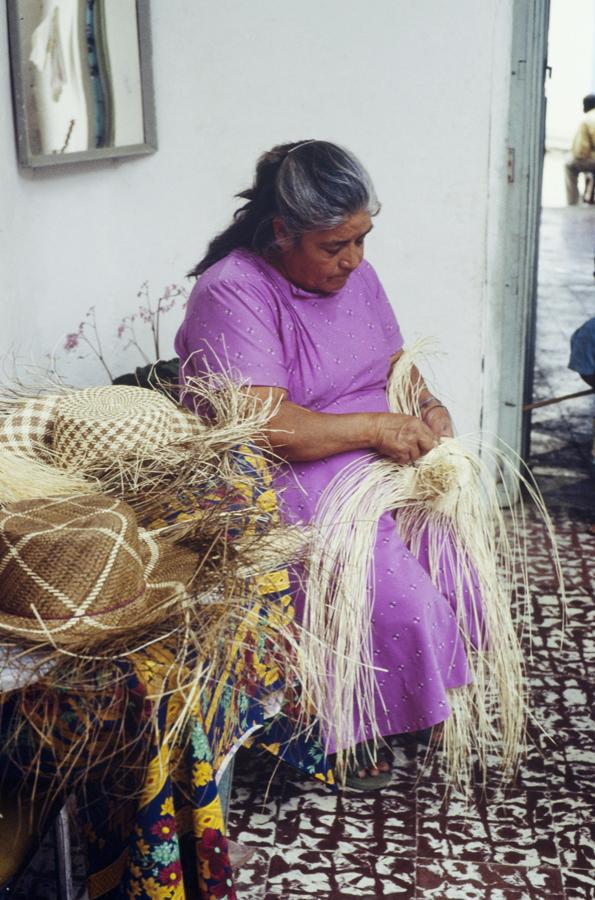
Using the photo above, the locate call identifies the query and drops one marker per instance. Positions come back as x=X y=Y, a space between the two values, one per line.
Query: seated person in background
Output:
x=582 y=155
x=582 y=360
x=582 y=352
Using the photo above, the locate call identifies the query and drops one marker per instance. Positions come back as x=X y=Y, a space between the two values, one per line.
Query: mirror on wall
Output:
x=82 y=79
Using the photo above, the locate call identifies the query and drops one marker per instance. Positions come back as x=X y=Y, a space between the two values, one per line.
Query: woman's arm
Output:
x=302 y=435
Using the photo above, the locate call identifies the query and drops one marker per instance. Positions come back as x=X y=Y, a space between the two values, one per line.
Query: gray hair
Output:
x=319 y=185
x=311 y=185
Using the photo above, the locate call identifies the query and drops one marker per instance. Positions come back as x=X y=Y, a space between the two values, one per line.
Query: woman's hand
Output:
x=402 y=438
x=436 y=417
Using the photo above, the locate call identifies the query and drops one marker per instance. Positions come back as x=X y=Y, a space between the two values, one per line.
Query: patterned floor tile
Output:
x=251 y=878
x=560 y=759
x=560 y=703
x=511 y=827
x=579 y=885
x=571 y=765
x=572 y=647
x=533 y=772
x=313 y=817
x=548 y=610
x=254 y=804
x=484 y=881
x=574 y=829
x=337 y=876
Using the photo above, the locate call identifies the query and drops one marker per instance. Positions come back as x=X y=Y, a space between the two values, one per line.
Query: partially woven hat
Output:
x=77 y=569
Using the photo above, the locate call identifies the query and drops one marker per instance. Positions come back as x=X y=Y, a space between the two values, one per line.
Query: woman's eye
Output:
x=332 y=251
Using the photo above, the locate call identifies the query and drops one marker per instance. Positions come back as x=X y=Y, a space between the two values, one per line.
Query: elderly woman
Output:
x=285 y=299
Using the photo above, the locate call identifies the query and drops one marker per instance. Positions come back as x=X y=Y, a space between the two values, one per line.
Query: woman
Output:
x=285 y=299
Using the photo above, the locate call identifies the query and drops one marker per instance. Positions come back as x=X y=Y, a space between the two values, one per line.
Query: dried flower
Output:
x=149 y=313
x=72 y=340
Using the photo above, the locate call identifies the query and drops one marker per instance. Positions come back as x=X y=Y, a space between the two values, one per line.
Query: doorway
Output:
x=561 y=434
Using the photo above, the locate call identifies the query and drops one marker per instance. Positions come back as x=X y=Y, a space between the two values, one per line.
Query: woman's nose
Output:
x=351 y=258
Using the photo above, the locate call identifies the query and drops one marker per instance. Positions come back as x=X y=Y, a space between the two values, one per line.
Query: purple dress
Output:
x=331 y=353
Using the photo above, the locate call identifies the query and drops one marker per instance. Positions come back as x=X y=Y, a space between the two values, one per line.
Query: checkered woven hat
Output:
x=95 y=424
x=46 y=592
x=27 y=431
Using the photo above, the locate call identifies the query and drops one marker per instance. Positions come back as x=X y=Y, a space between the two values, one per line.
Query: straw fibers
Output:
x=451 y=496
x=190 y=503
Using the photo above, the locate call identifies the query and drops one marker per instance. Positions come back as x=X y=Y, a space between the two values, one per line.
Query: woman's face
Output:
x=322 y=261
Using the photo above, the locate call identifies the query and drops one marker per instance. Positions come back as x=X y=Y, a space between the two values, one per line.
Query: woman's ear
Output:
x=279 y=230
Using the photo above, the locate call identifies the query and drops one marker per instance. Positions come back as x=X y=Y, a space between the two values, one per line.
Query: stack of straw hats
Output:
x=76 y=564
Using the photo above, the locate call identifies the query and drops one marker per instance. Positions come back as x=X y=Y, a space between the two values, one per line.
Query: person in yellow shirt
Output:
x=582 y=156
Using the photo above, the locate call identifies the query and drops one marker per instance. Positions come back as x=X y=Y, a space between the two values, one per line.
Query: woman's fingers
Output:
x=437 y=418
x=403 y=438
x=427 y=441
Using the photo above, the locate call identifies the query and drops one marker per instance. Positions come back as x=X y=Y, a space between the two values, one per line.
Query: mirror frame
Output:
x=37 y=160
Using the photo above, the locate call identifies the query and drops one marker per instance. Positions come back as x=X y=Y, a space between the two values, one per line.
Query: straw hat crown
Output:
x=80 y=567
x=78 y=428
x=98 y=424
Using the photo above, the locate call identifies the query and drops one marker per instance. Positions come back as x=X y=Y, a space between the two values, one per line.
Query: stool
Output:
x=589 y=191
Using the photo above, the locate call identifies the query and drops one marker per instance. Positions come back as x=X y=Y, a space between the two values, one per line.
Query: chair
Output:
x=16 y=856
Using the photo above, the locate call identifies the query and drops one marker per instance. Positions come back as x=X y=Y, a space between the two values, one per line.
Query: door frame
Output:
x=513 y=235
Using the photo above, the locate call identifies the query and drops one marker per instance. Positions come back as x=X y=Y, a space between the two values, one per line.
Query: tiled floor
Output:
x=530 y=840
x=534 y=839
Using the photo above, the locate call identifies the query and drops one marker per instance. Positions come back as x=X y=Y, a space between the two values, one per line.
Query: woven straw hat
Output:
x=77 y=569
x=92 y=425
x=102 y=423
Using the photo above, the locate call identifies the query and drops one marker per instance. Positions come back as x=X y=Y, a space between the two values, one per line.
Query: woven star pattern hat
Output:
x=95 y=424
x=74 y=571
x=79 y=427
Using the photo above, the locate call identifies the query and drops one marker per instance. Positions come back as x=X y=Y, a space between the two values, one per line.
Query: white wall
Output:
x=416 y=89
x=571 y=54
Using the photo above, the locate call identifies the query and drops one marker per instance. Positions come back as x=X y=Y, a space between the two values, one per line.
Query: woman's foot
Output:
x=371 y=768
x=384 y=758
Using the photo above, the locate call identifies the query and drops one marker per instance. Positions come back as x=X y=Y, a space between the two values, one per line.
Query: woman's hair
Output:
x=311 y=185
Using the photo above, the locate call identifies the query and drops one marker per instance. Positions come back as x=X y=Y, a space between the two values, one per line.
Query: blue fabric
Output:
x=582 y=349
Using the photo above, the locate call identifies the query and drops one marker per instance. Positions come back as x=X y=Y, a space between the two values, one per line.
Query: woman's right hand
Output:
x=402 y=438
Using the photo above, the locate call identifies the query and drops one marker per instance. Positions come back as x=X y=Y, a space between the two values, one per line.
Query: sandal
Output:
x=366 y=782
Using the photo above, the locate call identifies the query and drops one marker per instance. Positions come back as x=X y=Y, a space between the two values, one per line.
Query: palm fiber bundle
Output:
x=450 y=497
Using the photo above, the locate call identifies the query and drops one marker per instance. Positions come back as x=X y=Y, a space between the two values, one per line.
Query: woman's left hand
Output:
x=438 y=420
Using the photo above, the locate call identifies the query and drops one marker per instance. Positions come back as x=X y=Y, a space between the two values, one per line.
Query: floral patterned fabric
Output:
x=151 y=817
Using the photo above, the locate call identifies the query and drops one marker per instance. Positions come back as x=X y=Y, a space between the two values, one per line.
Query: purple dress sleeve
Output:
x=233 y=326
x=387 y=317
